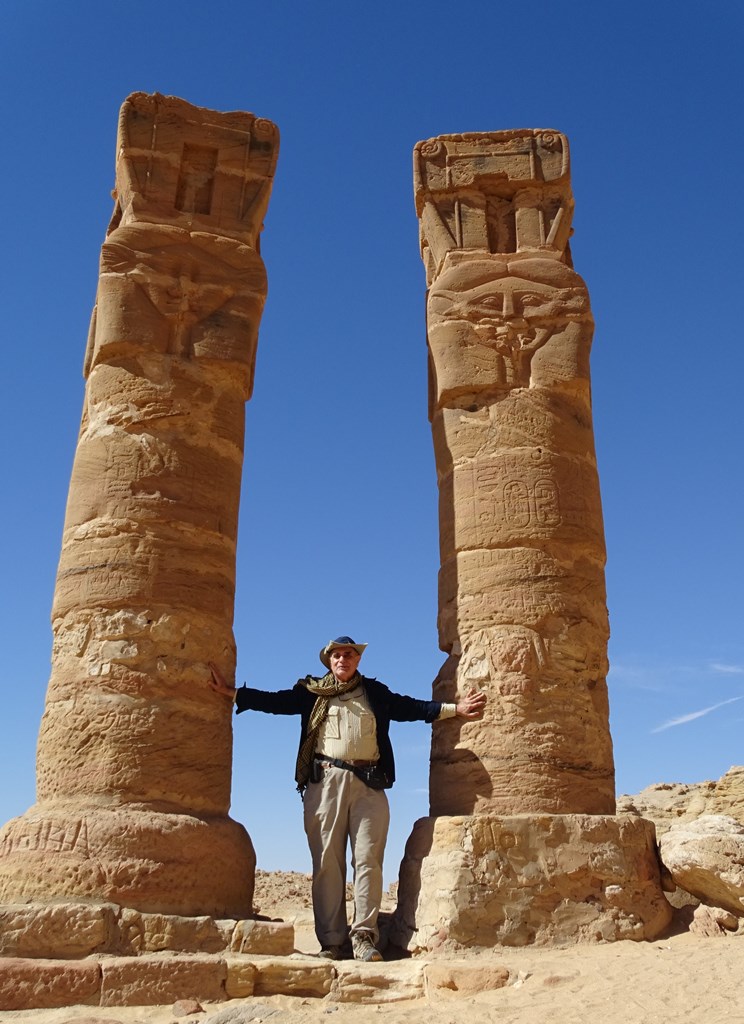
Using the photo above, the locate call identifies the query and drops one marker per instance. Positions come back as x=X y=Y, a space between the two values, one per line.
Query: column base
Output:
x=135 y=856
x=489 y=880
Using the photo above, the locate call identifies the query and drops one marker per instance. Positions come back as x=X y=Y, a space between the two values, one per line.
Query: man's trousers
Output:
x=337 y=808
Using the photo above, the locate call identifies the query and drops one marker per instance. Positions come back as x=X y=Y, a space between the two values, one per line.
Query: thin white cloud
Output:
x=731 y=670
x=694 y=714
x=636 y=678
x=661 y=678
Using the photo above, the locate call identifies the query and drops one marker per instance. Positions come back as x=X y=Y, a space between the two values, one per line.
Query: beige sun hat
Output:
x=340 y=641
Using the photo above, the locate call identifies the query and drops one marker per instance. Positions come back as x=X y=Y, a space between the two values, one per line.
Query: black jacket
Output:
x=386 y=706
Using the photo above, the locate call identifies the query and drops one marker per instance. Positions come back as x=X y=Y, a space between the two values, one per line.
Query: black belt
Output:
x=348 y=765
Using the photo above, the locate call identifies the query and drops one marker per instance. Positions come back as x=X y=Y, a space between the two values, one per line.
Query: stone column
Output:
x=522 y=612
x=135 y=752
x=522 y=597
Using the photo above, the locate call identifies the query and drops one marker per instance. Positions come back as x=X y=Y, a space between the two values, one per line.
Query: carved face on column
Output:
x=489 y=317
x=165 y=291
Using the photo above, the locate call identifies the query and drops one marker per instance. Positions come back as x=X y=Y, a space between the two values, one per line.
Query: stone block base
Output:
x=68 y=930
x=154 y=980
x=43 y=984
x=488 y=880
x=163 y=978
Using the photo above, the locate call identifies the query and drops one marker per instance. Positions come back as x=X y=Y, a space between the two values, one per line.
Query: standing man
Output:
x=344 y=765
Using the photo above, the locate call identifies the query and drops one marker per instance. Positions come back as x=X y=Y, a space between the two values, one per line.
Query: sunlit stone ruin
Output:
x=135 y=755
x=522 y=844
x=129 y=854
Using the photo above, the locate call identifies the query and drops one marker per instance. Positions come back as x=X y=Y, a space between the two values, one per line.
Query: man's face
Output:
x=344 y=661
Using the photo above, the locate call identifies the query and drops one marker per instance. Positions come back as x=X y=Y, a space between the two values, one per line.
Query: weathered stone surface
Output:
x=522 y=610
x=37 y=984
x=378 y=983
x=728 y=794
x=151 y=933
x=463 y=978
x=488 y=880
x=184 y=1007
x=522 y=599
x=730 y=922
x=152 y=980
x=147 y=859
x=134 y=757
x=667 y=802
x=293 y=977
x=266 y=937
x=241 y=977
x=62 y=930
x=706 y=858
x=712 y=922
x=57 y=929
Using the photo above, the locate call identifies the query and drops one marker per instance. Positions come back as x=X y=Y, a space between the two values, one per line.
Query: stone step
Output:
x=164 y=978
x=70 y=930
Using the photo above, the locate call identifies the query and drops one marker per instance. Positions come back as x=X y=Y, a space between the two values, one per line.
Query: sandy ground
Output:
x=682 y=978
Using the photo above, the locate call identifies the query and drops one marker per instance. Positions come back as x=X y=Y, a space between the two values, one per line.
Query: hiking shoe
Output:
x=365 y=949
x=331 y=953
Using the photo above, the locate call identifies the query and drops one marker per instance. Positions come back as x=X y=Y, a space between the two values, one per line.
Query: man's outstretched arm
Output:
x=274 y=702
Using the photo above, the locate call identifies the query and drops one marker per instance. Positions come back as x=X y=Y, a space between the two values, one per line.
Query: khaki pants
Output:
x=337 y=808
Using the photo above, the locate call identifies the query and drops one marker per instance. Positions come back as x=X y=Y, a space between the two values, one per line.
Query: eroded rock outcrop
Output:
x=705 y=857
x=665 y=803
x=134 y=756
x=713 y=922
x=673 y=806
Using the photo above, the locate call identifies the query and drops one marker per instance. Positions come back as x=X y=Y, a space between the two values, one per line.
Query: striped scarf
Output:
x=323 y=689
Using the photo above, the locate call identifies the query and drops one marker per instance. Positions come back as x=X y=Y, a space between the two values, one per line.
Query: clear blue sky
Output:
x=650 y=97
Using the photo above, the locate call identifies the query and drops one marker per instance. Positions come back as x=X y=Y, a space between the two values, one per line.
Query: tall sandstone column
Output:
x=522 y=597
x=521 y=845
x=134 y=755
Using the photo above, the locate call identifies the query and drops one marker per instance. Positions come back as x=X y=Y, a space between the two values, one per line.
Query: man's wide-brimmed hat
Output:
x=340 y=641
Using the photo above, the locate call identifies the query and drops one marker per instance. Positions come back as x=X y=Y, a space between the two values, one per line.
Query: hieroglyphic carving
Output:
x=132 y=744
x=522 y=605
x=47 y=836
x=499 y=498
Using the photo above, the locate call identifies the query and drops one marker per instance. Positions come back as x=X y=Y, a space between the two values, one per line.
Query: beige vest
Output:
x=349 y=731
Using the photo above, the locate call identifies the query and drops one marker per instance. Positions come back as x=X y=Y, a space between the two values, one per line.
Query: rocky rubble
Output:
x=700 y=827
x=706 y=858
x=667 y=802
